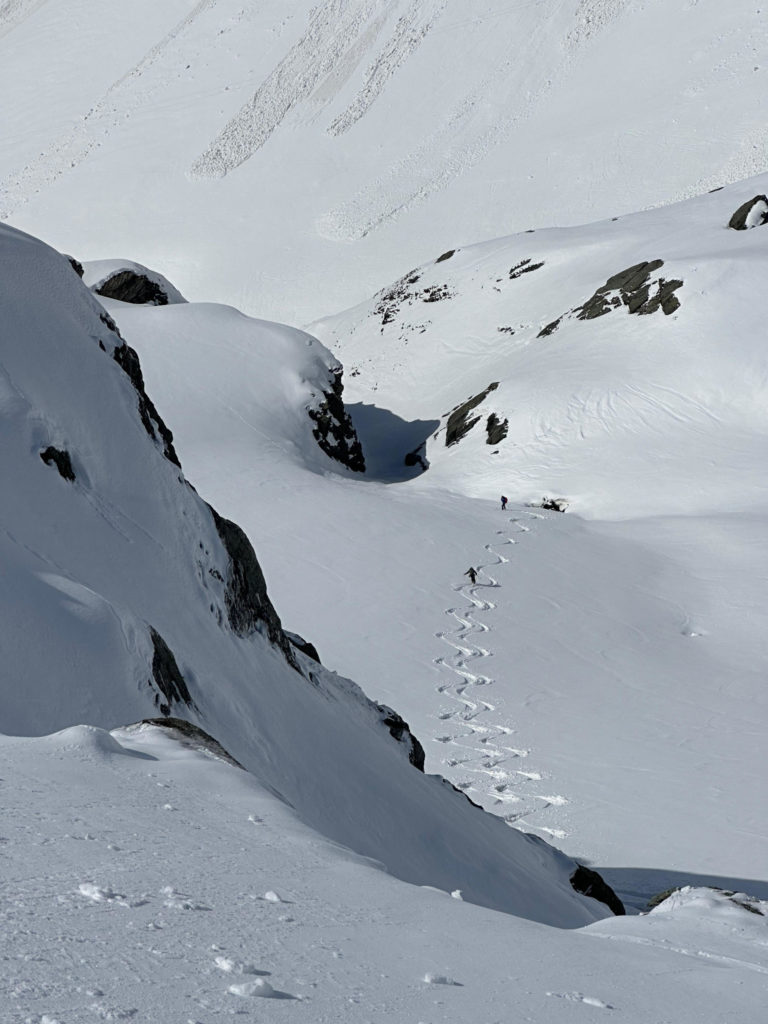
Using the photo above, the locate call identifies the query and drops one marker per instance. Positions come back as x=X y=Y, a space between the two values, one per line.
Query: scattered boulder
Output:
x=459 y=424
x=751 y=214
x=130 y=286
x=496 y=429
x=590 y=883
x=59 y=458
x=167 y=677
x=334 y=431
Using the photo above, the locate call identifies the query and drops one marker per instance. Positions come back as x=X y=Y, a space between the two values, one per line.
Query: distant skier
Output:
x=504 y=501
x=472 y=573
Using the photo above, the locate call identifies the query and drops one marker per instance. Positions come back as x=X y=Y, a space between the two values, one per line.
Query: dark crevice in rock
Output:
x=167 y=676
x=523 y=267
x=304 y=646
x=128 y=286
x=751 y=214
x=445 y=256
x=399 y=730
x=496 y=429
x=458 y=424
x=333 y=429
x=199 y=738
x=60 y=459
x=590 y=883
x=127 y=359
x=249 y=608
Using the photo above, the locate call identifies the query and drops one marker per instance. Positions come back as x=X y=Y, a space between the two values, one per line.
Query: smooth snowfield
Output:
x=288 y=158
x=149 y=881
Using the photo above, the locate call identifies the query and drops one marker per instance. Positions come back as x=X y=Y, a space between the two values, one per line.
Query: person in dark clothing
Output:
x=504 y=501
x=472 y=573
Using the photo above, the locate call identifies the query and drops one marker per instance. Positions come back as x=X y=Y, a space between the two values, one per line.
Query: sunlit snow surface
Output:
x=145 y=880
x=290 y=157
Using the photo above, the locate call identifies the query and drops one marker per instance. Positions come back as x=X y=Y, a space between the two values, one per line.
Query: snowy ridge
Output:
x=593 y=363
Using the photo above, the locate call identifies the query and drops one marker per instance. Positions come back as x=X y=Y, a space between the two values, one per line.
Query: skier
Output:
x=472 y=573
x=504 y=501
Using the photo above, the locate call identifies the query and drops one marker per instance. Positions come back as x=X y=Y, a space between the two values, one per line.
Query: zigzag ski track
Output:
x=480 y=754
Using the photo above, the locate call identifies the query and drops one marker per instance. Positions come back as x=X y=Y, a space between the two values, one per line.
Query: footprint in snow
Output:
x=578 y=997
x=229 y=966
x=180 y=901
x=258 y=988
x=440 y=979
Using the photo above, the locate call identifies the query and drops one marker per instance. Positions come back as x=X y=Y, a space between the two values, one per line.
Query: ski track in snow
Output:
x=485 y=758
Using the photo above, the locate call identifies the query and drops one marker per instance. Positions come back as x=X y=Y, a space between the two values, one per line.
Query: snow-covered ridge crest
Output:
x=123 y=594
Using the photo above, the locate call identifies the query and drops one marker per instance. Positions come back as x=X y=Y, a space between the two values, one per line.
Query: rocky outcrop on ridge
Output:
x=333 y=429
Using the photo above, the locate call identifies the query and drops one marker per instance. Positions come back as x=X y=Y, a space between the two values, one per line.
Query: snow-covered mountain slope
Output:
x=603 y=683
x=147 y=880
x=289 y=157
x=125 y=596
x=620 y=365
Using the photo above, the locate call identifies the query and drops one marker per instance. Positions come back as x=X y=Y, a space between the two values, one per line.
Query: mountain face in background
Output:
x=291 y=158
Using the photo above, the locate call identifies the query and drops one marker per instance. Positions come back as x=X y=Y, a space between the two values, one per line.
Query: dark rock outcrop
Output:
x=445 y=256
x=496 y=429
x=249 y=609
x=127 y=359
x=553 y=504
x=751 y=214
x=128 y=286
x=523 y=267
x=167 y=677
x=304 y=646
x=590 y=883
x=459 y=424
x=60 y=459
x=76 y=265
x=633 y=288
x=417 y=457
x=333 y=428
x=193 y=736
x=399 y=730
